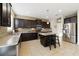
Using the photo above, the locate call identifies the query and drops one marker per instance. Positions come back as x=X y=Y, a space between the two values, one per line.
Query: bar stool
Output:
x=52 y=40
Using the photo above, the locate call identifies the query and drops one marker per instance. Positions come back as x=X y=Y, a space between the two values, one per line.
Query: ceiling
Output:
x=45 y=10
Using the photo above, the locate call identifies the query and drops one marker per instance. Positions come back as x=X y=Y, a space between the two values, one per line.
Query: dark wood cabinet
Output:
x=38 y=22
x=0 y=13
x=42 y=23
x=73 y=19
x=9 y=14
x=23 y=23
x=33 y=24
x=70 y=19
x=5 y=14
x=45 y=40
x=45 y=25
x=18 y=23
x=66 y=20
x=28 y=36
x=29 y=24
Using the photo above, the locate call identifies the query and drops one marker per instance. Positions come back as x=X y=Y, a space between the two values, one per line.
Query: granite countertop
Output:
x=12 y=39
x=27 y=32
x=47 y=33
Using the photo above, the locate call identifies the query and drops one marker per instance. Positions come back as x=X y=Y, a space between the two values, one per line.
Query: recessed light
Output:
x=59 y=10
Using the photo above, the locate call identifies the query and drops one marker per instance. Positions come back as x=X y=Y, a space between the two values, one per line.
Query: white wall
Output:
x=57 y=27
x=53 y=25
x=78 y=26
x=60 y=29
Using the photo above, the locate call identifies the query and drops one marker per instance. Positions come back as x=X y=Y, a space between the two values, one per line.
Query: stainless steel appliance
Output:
x=70 y=32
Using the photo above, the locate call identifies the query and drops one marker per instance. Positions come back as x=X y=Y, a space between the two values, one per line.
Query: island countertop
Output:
x=45 y=34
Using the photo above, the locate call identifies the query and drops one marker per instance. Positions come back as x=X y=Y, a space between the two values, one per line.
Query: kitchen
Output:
x=15 y=29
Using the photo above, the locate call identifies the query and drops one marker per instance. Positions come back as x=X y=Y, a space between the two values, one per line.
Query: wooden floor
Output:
x=34 y=48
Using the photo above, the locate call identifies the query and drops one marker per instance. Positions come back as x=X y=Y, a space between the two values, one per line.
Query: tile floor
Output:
x=34 y=48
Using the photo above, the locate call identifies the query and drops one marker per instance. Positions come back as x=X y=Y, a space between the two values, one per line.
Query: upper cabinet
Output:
x=5 y=14
x=70 y=19
x=18 y=23
x=23 y=23
x=38 y=22
x=45 y=25
x=0 y=14
x=42 y=23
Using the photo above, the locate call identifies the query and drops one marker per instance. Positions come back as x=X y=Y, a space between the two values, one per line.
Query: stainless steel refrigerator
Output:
x=70 y=32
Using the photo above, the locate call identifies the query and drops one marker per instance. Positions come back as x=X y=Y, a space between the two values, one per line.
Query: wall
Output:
x=57 y=27
x=78 y=27
x=53 y=24
x=60 y=29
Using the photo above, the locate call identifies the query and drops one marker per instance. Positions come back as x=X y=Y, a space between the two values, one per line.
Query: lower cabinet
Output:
x=28 y=36
x=47 y=40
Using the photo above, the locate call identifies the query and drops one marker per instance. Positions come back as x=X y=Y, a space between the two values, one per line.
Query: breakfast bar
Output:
x=48 y=39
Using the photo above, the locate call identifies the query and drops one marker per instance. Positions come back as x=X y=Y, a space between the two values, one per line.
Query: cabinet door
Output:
x=20 y=25
x=67 y=20
x=29 y=36
x=4 y=14
x=73 y=19
x=45 y=25
x=70 y=19
x=9 y=14
x=32 y=24
x=38 y=22
x=27 y=24
x=0 y=13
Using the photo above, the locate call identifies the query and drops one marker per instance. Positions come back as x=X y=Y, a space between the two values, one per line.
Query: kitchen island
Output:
x=47 y=39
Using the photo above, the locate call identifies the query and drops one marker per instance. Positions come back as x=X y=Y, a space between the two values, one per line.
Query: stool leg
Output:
x=58 y=42
x=54 y=45
x=50 y=47
x=50 y=44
